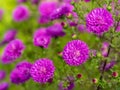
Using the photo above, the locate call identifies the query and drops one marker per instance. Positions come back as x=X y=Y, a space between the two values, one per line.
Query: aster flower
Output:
x=46 y=8
x=104 y=49
x=110 y=65
x=61 y=11
x=2 y=74
x=21 y=13
x=87 y=0
x=21 y=73
x=75 y=53
x=4 y=86
x=81 y=27
x=99 y=21
x=67 y=84
x=35 y=1
x=12 y=51
x=9 y=36
x=55 y=30
x=21 y=1
x=42 y=70
x=43 y=19
x=41 y=38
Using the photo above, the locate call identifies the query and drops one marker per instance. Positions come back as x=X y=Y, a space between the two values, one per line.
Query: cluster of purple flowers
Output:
x=75 y=52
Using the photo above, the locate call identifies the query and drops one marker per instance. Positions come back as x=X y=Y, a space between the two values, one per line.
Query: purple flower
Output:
x=2 y=74
x=21 y=13
x=21 y=1
x=42 y=70
x=43 y=20
x=41 y=38
x=104 y=49
x=21 y=73
x=69 y=81
x=61 y=11
x=55 y=30
x=9 y=36
x=87 y=0
x=35 y=1
x=81 y=28
x=12 y=51
x=1 y=14
x=4 y=86
x=118 y=28
x=110 y=65
x=46 y=8
x=75 y=53
x=99 y=21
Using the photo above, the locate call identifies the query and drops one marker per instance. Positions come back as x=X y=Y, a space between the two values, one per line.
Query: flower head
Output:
x=35 y=1
x=46 y=8
x=67 y=84
x=21 y=13
x=13 y=51
x=99 y=21
x=2 y=74
x=9 y=36
x=21 y=73
x=41 y=38
x=42 y=70
x=4 y=86
x=61 y=11
x=55 y=30
x=76 y=52
x=21 y=1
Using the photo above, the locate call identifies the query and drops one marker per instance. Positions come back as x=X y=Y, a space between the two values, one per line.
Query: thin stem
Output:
x=108 y=53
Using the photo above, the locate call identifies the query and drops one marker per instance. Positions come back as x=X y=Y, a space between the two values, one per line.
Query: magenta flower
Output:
x=46 y=8
x=21 y=1
x=99 y=21
x=81 y=27
x=35 y=1
x=61 y=11
x=12 y=51
x=42 y=70
x=41 y=38
x=55 y=30
x=21 y=13
x=87 y=0
x=9 y=36
x=21 y=73
x=2 y=74
x=43 y=20
x=75 y=53
x=104 y=49
x=4 y=86
x=70 y=84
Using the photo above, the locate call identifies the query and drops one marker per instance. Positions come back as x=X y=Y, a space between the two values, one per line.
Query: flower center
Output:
x=77 y=53
x=42 y=70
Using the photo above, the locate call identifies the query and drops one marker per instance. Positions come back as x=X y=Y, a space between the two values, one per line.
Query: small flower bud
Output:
x=79 y=75
x=115 y=74
x=94 y=80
